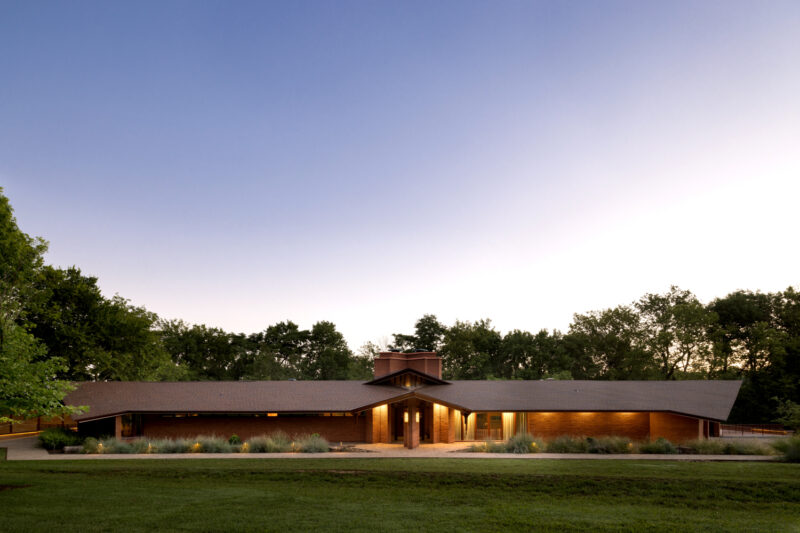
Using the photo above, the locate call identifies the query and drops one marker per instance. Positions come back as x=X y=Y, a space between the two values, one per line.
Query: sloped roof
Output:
x=387 y=378
x=702 y=399
x=115 y=397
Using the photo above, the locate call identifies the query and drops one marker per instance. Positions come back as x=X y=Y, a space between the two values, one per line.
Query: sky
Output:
x=237 y=164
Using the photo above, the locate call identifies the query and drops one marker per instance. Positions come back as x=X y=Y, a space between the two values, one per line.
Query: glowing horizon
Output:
x=370 y=163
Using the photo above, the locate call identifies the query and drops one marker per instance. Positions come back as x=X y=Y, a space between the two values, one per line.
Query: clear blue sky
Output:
x=241 y=163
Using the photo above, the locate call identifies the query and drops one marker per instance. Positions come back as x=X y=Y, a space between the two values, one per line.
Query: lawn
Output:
x=397 y=495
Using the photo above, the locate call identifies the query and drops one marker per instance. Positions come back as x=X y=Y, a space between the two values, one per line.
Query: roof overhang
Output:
x=387 y=378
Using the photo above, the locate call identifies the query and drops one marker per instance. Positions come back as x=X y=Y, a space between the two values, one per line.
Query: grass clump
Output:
x=568 y=444
x=658 y=446
x=276 y=442
x=729 y=447
x=112 y=445
x=791 y=449
x=523 y=443
x=313 y=443
x=609 y=445
x=211 y=444
x=170 y=446
x=57 y=438
x=234 y=439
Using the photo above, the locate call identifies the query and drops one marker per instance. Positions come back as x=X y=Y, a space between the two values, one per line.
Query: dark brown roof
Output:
x=387 y=378
x=702 y=399
x=115 y=397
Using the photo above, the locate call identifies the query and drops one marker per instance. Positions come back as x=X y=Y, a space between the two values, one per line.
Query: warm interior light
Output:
x=272 y=414
x=405 y=417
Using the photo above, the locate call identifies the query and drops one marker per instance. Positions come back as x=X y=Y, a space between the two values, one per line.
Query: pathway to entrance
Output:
x=25 y=449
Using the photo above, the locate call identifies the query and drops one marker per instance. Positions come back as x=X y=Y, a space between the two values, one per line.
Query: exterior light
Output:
x=405 y=417
x=416 y=417
x=272 y=414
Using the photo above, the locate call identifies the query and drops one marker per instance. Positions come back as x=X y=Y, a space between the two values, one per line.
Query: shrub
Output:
x=609 y=445
x=273 y=443
x=751 y=447
x=660 y=445
x=211 y=444
x=568 y=444
x=729 y=447
x=707 y=446
x=234 y=439
x=57 y=438
x=523 y=443
x=90 y=445
x=791 y=452
x=170 y=446
x=112 y=445
x=313 y=443
x=139 y=446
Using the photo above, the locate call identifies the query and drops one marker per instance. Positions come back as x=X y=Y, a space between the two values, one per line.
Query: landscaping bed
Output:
x=525 y=443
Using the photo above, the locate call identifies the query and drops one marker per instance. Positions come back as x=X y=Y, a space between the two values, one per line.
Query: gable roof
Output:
x=422 y=376
x=702 y=399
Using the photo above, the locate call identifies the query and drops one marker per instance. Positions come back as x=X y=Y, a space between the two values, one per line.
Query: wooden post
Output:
x=118 y=427
x=413 y=424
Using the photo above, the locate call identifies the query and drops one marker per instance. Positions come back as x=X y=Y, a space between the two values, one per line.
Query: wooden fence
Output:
x=35 y=424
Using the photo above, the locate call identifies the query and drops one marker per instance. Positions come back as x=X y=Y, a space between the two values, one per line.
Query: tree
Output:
x=528 y=356
x=472 y=351
x=205 y=353
x=429 y=334
x=28 y=384
x=328 y=356
x=276 y=352
x=21 y=258
x=674 y=330
x=612 y=340
x=98 y=338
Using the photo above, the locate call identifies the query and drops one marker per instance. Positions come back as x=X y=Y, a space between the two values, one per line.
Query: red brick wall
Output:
x=427 y=362
x=333 y=428
x=635 y=426
x=675 y=428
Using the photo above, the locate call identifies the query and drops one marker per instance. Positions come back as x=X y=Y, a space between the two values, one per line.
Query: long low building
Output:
x=407 y=402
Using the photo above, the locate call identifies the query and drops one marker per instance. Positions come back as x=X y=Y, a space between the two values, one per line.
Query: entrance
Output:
x=398 y=424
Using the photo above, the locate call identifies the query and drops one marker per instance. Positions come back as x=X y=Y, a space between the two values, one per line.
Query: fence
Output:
x=752 y=430
x=33 y=424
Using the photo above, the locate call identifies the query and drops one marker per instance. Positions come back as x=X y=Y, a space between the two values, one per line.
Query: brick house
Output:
x=408 y=402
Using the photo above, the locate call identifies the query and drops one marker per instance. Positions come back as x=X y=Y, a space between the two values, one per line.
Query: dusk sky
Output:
x=241 y=163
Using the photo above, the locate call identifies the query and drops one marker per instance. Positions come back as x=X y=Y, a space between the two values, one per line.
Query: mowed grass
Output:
x=398 y=495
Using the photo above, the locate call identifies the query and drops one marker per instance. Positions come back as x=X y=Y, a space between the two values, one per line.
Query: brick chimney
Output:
x=421 y=361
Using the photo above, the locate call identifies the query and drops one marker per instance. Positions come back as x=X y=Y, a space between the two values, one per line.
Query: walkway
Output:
x=25 y=449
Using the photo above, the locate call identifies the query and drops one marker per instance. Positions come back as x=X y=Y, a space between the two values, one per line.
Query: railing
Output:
x=493 y=434
x=751 y=430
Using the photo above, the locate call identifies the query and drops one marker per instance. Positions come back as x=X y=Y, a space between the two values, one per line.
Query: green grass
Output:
x=398 y=495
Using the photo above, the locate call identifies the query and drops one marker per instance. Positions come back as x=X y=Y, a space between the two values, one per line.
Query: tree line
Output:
x=57 y=327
